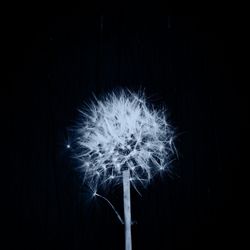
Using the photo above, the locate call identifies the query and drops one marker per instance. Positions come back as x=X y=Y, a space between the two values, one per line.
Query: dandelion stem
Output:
x=127 y=209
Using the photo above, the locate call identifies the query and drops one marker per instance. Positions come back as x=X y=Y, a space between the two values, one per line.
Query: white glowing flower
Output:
x=121 y=131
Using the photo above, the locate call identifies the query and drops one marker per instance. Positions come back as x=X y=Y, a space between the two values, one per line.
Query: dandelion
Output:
x=123 y=139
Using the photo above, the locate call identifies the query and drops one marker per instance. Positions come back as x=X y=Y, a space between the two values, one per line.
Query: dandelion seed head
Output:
x=123 y=131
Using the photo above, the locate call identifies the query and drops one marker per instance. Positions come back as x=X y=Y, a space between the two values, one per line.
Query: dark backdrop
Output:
x=54 y=63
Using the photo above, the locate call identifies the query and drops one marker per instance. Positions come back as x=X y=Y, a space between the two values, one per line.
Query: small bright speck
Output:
x=68 y=146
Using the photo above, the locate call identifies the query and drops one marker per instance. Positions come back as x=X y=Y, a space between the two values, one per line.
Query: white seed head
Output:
x=122 y=131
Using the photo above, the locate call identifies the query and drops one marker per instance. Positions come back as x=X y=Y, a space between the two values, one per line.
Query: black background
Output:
x=54 y=63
